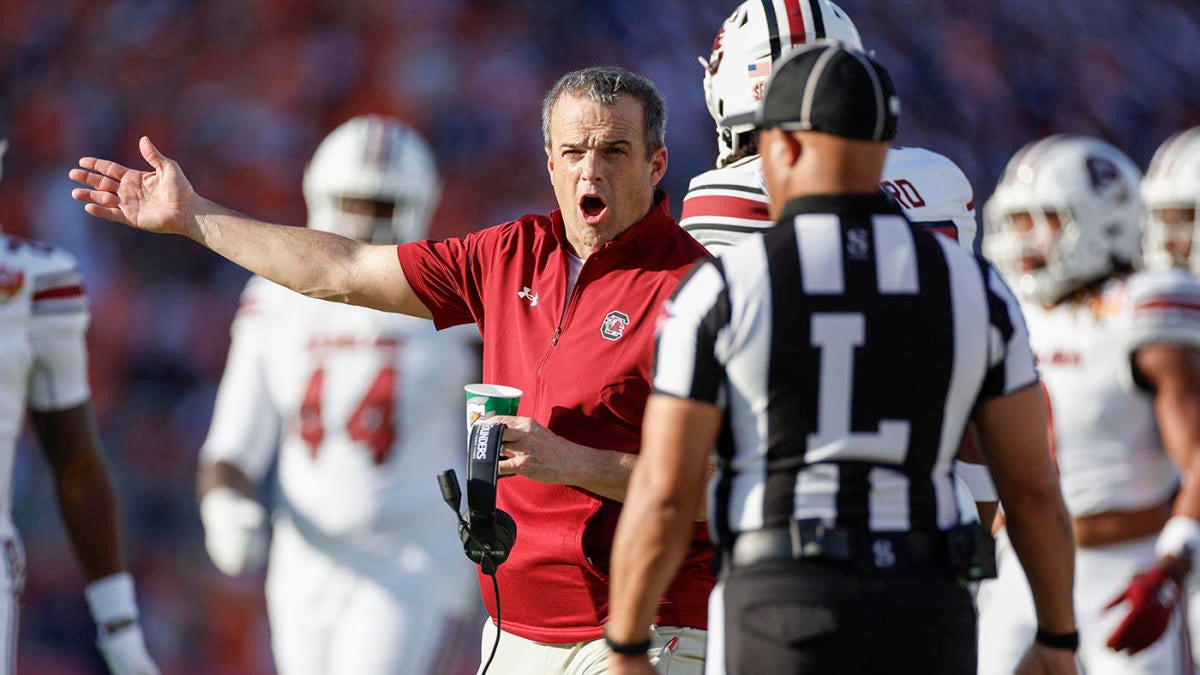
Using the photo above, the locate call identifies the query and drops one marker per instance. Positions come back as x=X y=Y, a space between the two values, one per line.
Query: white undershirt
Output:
x=574 y=265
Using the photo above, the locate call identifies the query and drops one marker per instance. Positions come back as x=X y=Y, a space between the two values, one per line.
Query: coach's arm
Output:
x=317 y=264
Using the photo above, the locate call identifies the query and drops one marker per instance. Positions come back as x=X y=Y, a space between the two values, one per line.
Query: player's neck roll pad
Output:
x=488 y=534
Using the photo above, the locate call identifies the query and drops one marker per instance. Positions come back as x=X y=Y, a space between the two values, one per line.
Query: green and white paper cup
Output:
x=486 y=400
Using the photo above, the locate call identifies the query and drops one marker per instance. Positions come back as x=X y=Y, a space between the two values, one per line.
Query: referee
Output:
x=834 y=363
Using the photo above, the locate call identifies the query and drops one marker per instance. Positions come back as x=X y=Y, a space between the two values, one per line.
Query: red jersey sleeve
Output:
x=444 y=275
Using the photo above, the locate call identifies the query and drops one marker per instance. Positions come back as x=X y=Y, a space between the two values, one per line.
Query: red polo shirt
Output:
x=585 y=368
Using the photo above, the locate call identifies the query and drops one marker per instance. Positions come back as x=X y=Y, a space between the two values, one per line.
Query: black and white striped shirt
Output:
x=847 y=351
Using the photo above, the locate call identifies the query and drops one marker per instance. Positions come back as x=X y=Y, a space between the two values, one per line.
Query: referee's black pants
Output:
x=808 y=617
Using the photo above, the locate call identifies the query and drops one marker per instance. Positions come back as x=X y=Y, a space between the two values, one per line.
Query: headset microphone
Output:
x=451 y=493
x=487 y=533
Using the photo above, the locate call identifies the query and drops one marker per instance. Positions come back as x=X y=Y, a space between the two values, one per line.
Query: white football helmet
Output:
x=377 y=159
x=756 y=34
x=1066 y=213
x=1171 y=193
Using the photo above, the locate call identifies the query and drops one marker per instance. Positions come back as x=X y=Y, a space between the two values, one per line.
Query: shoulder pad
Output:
x=38 y=257
x=745 y=175
x=50 y=273
x=725 y=204
x=932 y=190
x=1164 y=308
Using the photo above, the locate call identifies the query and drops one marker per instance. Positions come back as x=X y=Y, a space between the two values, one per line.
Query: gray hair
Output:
x=605 y=84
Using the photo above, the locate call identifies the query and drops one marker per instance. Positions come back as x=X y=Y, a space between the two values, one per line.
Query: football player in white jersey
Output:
x=43 y=368
x=728 y=203
x=1119 y=353
x=1171 y=195
x=363 y=409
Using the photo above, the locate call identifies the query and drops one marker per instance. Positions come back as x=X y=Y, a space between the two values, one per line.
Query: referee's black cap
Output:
x=829 y=87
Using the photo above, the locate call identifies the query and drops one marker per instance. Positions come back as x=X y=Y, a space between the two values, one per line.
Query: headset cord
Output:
x=496 y=643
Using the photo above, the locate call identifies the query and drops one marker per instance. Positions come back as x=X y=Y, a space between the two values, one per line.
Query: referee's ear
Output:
x=779 y=146
x=780 y=151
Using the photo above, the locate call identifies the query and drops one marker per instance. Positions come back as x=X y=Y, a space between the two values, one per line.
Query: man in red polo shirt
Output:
x=566 y=304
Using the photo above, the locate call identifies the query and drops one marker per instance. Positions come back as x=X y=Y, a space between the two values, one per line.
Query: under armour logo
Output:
x=528 y=294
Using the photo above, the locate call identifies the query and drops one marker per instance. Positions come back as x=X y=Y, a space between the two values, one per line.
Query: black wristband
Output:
x=628 y=648
x=1058 y=640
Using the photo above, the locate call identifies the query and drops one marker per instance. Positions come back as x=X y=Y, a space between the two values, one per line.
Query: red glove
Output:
x=1152 y=596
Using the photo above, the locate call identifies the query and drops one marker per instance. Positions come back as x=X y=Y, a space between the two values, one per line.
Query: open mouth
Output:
x=593 y=208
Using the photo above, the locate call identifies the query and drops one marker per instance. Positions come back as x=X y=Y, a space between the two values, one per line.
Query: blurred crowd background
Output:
x=241 y=91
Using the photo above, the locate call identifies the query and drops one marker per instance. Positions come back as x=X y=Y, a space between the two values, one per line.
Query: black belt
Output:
x=811 y=539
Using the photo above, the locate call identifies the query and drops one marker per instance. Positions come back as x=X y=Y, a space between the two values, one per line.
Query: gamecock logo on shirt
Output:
x=614 y=325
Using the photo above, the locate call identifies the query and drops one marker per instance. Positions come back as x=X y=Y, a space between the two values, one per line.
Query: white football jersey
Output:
x=1109 y=451
x=365 y=408
x=43 y=348
x=724 y=205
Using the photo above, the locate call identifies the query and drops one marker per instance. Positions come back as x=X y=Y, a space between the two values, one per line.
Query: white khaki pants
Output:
x=673 y=651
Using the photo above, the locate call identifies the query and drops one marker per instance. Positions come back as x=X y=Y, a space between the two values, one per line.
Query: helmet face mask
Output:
x=372 y=179
x=1171 y=192
x=1065 y=214
x=1170 y=233
x=1038 y=245
x=736 y=72
x=367 y=218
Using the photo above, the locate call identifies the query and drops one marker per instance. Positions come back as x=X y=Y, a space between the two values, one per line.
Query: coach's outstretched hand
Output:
x=161 y=200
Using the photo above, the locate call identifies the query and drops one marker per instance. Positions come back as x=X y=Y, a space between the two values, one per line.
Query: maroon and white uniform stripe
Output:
x=725 y=205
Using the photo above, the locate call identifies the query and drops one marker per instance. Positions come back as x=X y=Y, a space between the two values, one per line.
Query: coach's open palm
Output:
x=161 y=200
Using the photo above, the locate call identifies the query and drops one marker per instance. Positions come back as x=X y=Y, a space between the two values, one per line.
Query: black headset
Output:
x=487 y=533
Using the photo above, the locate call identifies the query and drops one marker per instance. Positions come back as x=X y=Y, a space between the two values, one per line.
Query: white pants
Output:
x=12 y=582
x=518 y=656
x=1007 y=622
x=714 y=657
x=1193 y=591
x=340 y=612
